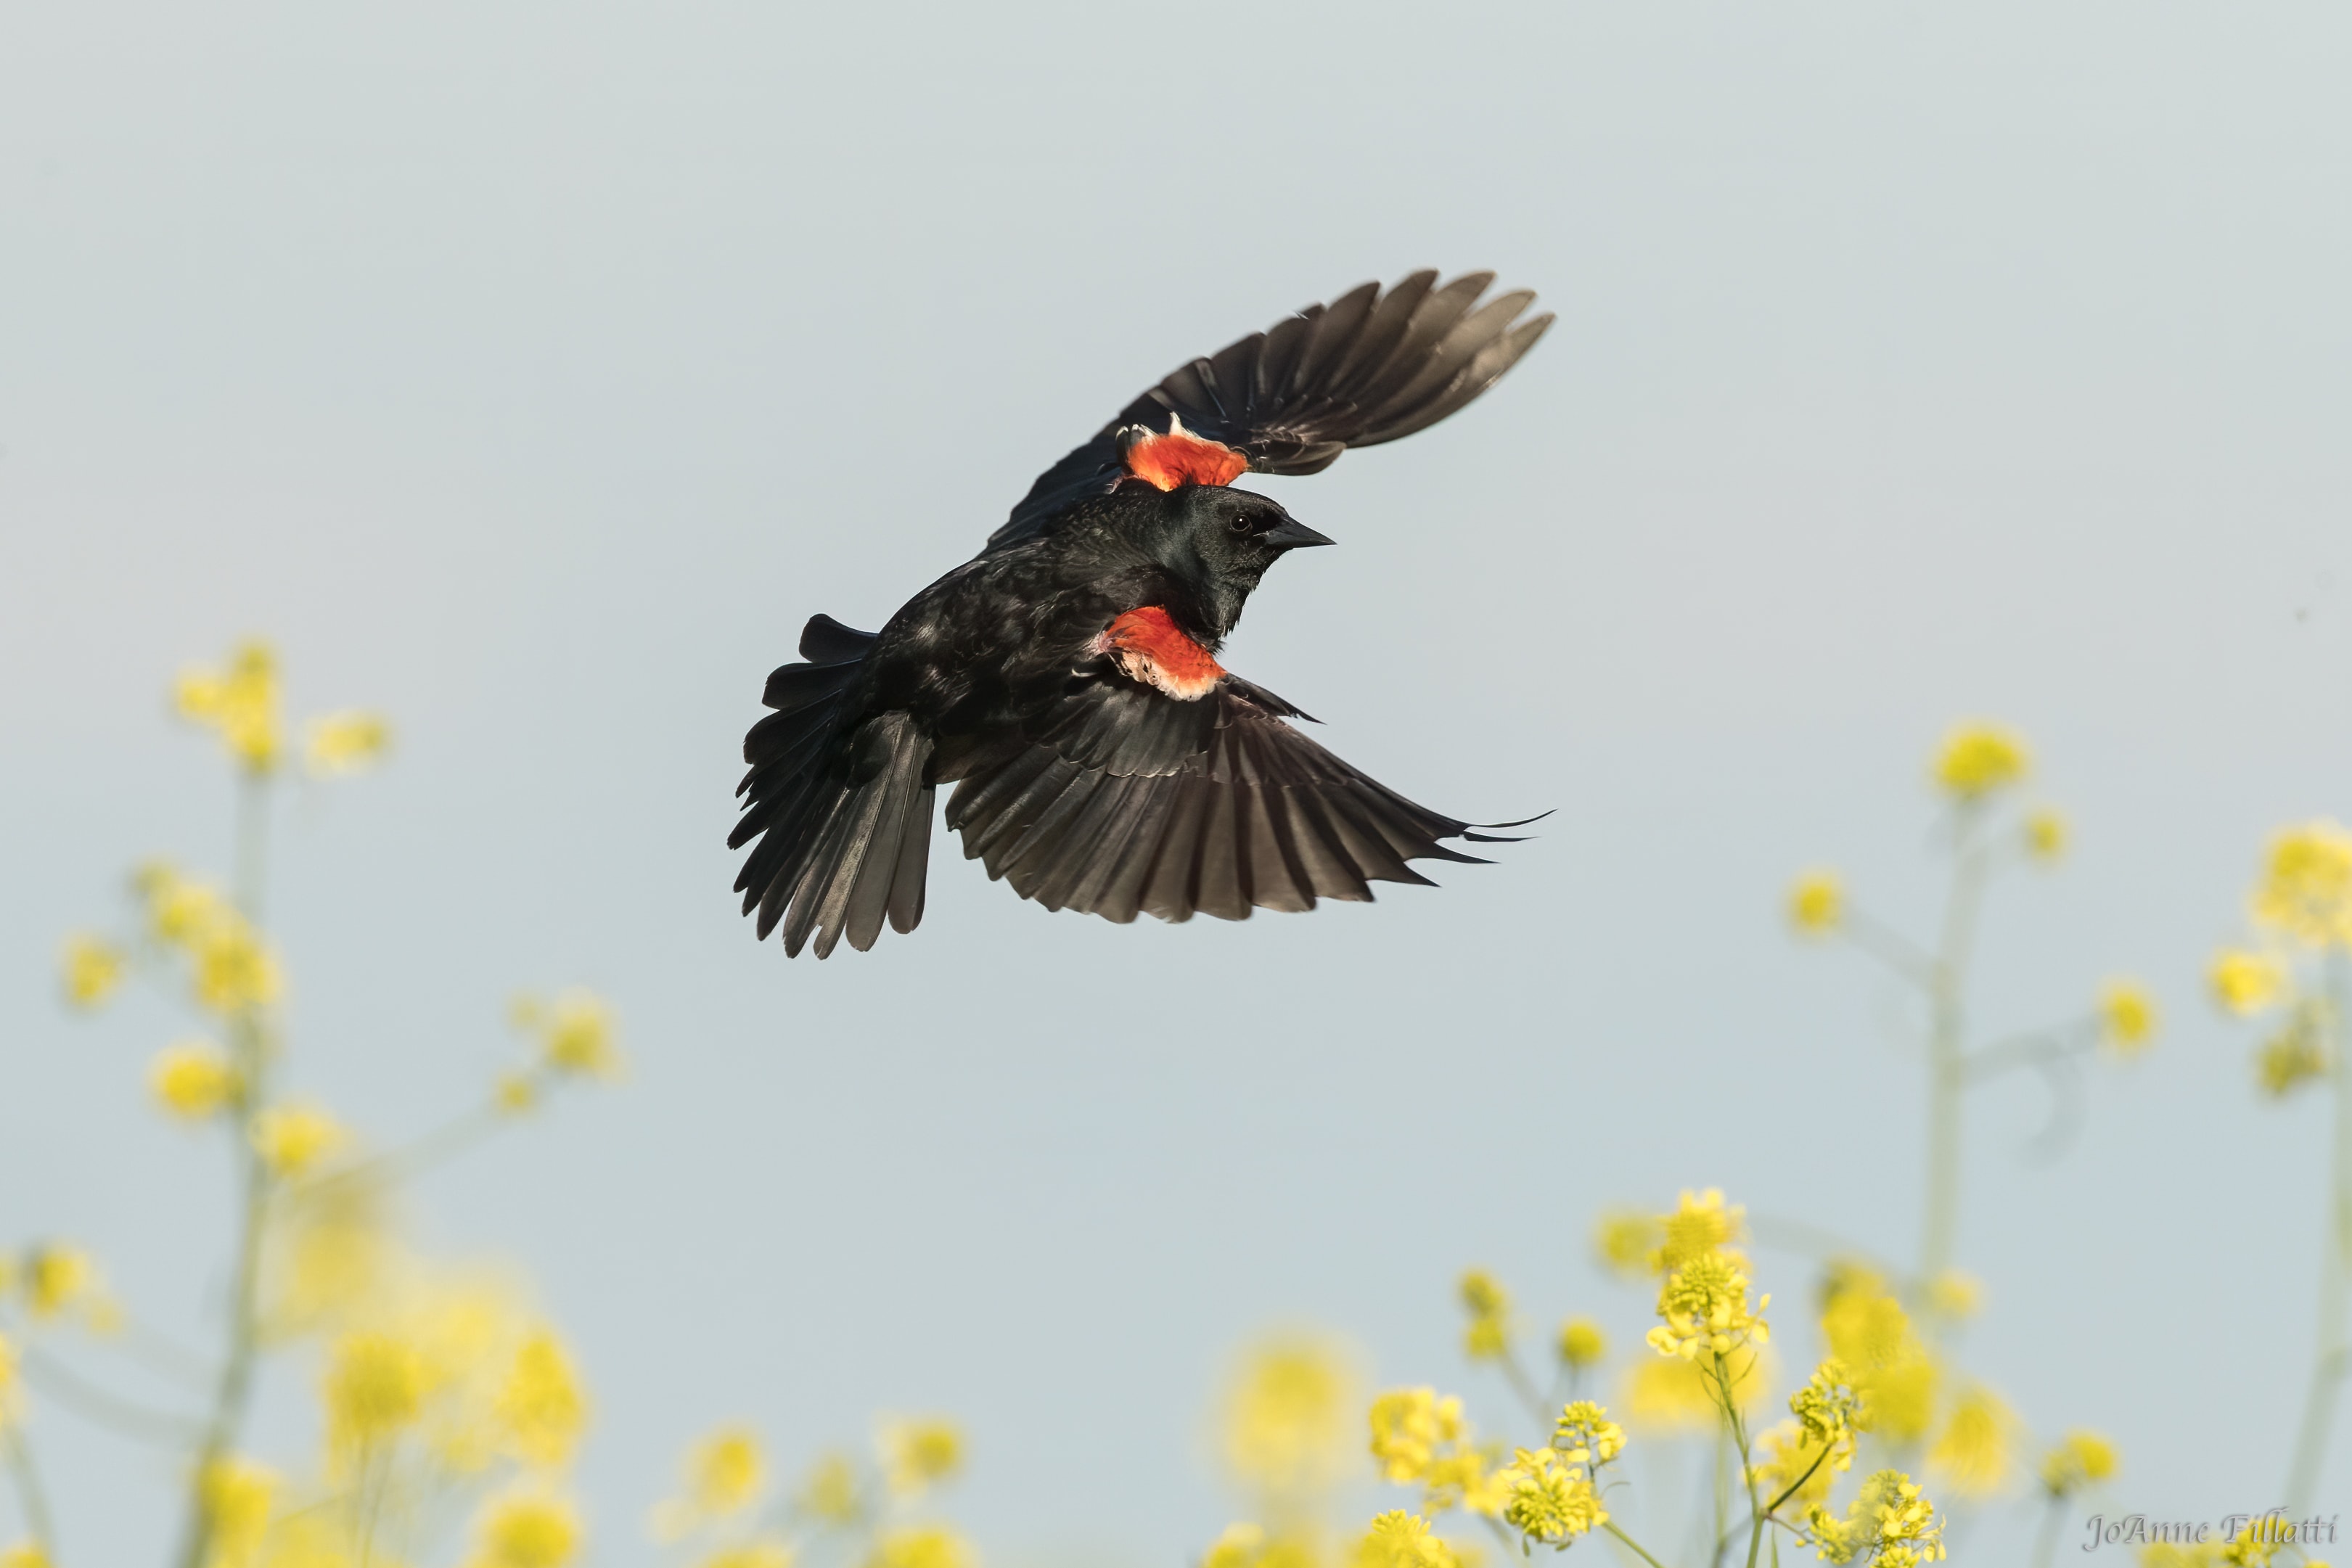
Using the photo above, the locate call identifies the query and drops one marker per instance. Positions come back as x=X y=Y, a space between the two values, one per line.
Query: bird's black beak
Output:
x=1292 y=534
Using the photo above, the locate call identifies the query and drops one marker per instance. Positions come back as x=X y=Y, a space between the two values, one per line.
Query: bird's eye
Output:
x=1242 y=525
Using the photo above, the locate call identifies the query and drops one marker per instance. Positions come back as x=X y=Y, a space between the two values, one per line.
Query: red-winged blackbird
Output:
x=1065 y=679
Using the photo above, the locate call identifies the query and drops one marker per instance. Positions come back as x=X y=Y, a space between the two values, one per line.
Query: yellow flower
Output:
x=1956 y=1295
x=59 y=1277
x=2079 y=1460
x=2046 y=835
x=331 y=1252
x=1488 y=1333
x=234 y=970
x=725 y=1472
x=1867 y=1328
x=575 y=1033
x=25 y=1555
x=194 y=1080
x=91 y=969
x=1410 y=1428
x=1582 y=1344
x=374 y=1387
x=515 y=1094
x=2297 y=1053
x=7 y=1380
x=2306 y=887
x=1288 y=1414
x=1816 y=904
x=924 y=1546
x=1585 y=1434
x=1701 y=1223
x=1794 y=1466
x=761 y=1553
x=1890 y=1525
x=1704 y=1305
x=1976 y=1452
x=1547 y=1498
x=346 y=742
x=828 y=1493
x=543 y=1405
x=236 y=1495
x=919 y=1454
x=1625 y=1240
x=2244 y=982
x=1830 y=1409
x=2128 y=1016
x=1977 y=759
x=1400 y=1540
x=294 y=1137
x=526 y=1530
x=240 y=703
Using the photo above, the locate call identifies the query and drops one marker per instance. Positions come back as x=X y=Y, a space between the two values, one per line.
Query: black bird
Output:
x=1065 y=679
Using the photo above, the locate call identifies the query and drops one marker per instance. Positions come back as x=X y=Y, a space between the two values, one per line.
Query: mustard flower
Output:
x=920 y=1454
x=1667 y=1396
x=347 y=742
x=1400 y=1540
x=2297 y=1054
x=1976 y=1452
x=91 y=970
x=2307 y=887
x=193 y=1080
x=1488 y=1336
x=1867 y=1328
x=1979 y=759
x=526 y=1530
x=1816 y=904
x=25 y=1554
x=238 y=702
x=1704 y=1305
x=725 y=1472
x=1792 y=1466
x=9 y=1379
x=2080 y=1458
x=60 y=1277
x=1238 y=1546
x=1582 y=1344
x=1702 y=1223
x=543 y=1405
x=373 y=1388
x=1289 y=1414
x=2128 y=1016
x=234 y=971
x=1831 y=1408
x=575 y=1033
x=828 y=1493
x=1956 y=1295
x=1584 y=1434
x=1625 y=1240
x=1410 y=1427
x=2245 y=983
x=235 y=1496
x=2046 y=835
x=923 y=1546
x=514 y=1093
x=1548 y=1499
x=1890 y=1525
x=293 y=1138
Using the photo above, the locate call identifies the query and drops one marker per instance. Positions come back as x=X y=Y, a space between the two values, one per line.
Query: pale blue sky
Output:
x=533 y=371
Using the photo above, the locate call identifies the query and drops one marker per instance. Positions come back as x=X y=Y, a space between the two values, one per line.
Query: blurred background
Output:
x=531 y=372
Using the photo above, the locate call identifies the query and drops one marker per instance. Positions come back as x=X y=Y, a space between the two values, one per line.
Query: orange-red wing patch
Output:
x=1180 y=457
x=1147 y=646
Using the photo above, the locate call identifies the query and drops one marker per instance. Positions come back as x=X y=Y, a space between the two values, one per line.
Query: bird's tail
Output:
x=846 y=814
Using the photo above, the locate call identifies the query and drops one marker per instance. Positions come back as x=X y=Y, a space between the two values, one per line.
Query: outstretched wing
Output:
x=1367 y=367
x=1121 y=799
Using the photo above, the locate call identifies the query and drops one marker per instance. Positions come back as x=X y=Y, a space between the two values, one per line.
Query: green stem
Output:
x=2332 y=1351
x=249 y=1049
x=1610 y=1526
x=30 y=1499
x=2046 y=1543
x=1946 y=1054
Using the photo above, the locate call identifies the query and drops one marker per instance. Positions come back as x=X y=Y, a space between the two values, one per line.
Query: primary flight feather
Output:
x=1065 y=679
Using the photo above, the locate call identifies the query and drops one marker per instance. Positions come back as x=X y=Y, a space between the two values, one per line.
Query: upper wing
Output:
x=1122 y=800
x=1367 y=367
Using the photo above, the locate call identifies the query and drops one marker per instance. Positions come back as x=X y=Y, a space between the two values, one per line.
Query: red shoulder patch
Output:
x=1180 y=457
x=1149 y=646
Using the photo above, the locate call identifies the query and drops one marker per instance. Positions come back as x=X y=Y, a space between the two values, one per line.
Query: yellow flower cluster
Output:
x=922 y=1546
x=346 y=742
x=1546 y=1499
x=91 y=970
x=1400 y=1539
x=231 y=970
x=1975 y=1455
x=1816 y=904
x=2079 y=1459
x=1980 y=759
x=1582 y=1344
x=194 y=1081
x=2128 y=1018
x=1288 y=1414
x=574 y=1033
x=56 y=1280
x=1832 y=1413
x=2297 y=1053
x=2046 y=835
x=1421 y=1438
x=2306 y=892
x=526 y=1529
x=919 y=1454
x=1487 y=1335
x=1889 y=1526
x=1624 y=1241
x=293 y=1139
x=239 y=701
x=1870 y=1335
x=2245 y=982
x=1705 y=1309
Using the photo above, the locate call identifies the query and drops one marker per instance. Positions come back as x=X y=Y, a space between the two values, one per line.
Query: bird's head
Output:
x=1222 y=540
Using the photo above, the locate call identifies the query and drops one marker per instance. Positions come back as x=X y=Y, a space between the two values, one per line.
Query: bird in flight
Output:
x=1065 y=679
